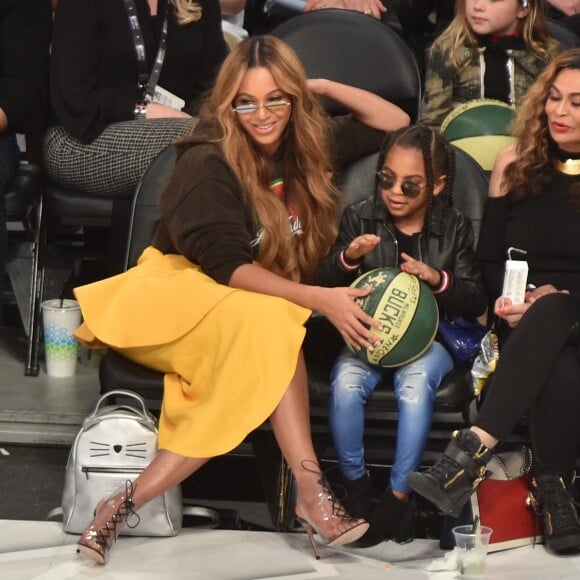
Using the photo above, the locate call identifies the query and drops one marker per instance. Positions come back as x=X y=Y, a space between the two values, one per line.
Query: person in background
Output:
x=25 y=28
x=492 y=49
x=409 y=223
x=534 y=205
x=249 y=212
x=126 y=78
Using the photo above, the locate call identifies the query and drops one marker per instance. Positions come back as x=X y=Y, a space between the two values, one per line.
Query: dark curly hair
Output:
x=534 y=166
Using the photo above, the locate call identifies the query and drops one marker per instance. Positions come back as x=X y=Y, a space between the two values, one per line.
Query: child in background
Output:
x=492 y=49
x=410 y=224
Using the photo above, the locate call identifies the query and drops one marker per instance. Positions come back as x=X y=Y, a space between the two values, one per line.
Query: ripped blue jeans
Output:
x=352 y=382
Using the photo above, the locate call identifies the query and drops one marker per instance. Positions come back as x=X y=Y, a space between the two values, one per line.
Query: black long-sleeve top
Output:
x=25 y=27
x=94 y=71
x=545 y=226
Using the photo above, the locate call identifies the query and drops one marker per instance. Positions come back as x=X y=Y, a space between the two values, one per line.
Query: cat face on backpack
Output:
x=123 y=450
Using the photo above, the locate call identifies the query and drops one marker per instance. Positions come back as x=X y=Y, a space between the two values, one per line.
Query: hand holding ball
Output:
x=407 y=310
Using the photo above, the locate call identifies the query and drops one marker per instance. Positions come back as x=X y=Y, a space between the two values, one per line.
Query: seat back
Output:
x=350 y=47
x=144 y=215
x=564 y=35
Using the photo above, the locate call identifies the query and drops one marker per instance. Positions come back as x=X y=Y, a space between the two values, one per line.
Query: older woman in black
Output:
x=534 y=205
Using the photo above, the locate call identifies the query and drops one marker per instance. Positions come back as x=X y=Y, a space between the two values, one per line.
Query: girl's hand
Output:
x=361 y=246
x=423 y=271
x=339 y=306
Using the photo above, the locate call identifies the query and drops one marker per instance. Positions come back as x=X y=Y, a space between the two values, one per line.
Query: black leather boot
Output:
x=391 y=519
x=358 y=496
x=551 y=499
x=452 y=480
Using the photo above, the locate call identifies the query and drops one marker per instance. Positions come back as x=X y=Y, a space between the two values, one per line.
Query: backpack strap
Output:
x=128 y=394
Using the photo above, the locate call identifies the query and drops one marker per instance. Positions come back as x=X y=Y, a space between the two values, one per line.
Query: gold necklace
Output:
x=569 y=167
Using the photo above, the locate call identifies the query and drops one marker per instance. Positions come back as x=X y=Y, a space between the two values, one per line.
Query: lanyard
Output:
x=147 y=81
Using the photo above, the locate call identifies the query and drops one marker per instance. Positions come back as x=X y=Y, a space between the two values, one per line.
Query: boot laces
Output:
x=554 y=499
x=327 y=495
x=443 y=468
x=125 y=509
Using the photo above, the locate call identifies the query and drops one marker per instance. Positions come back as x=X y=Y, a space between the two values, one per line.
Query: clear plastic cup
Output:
x=60 y=319
x=472 y=546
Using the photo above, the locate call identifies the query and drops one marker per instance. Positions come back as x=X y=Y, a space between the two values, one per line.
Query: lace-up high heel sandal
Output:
x=328 y=509
x=111 y=514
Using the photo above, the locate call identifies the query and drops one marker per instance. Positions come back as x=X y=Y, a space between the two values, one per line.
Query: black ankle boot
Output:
x=358 y=496
x=390 y=519
x=452 y=480
x=551 y=499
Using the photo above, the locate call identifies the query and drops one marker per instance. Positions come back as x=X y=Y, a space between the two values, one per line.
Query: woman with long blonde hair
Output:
x=492 y=49
x=245 y=219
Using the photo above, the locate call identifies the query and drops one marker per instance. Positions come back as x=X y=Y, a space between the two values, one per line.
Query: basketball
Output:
x=406 y=308
x=481 y=128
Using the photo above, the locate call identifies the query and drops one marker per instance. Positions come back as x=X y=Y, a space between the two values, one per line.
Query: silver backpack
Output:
x=114 y=445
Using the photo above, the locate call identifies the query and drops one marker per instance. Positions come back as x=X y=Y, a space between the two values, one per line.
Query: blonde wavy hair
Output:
x=187 y=11
x=533 y=29
x=304 y=156
x=534 y=166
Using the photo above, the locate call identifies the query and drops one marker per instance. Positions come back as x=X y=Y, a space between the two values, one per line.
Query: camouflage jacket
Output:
x=447 y=86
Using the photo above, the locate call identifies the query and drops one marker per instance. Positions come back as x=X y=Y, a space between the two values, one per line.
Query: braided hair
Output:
x=439 y=159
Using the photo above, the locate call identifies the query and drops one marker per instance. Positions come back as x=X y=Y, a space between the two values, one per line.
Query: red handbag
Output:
x=501 y=502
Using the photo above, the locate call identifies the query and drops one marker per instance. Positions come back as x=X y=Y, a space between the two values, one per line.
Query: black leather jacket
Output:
x=466 y=294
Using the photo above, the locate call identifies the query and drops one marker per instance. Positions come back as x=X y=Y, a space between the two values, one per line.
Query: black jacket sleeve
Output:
x=25 y=28
x=466 y=294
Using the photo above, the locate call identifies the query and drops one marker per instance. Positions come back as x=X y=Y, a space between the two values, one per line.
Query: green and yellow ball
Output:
x=481 y=128
x=407 y=310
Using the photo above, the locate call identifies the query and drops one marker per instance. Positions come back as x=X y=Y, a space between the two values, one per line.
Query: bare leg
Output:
x=291 y=424
x=165 y=471
x=489 y=441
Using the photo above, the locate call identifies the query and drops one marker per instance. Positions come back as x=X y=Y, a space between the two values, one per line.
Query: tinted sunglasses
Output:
x=274 y=106
x=408 y=187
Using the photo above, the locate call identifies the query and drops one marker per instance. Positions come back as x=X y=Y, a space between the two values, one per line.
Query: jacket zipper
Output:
x=396 y=242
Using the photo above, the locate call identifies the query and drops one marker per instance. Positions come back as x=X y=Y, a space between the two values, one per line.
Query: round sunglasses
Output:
x=408 y=187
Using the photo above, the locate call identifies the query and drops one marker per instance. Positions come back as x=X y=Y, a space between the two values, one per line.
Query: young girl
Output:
x=409 y=223
x=492 y=49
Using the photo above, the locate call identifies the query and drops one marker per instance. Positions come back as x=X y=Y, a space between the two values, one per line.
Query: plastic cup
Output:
x=61 y=318
x=472 y=548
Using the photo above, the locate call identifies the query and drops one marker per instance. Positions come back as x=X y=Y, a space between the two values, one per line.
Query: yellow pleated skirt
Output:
x=228 y=355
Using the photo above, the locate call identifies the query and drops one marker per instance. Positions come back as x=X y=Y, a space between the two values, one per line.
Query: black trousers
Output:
x=538 y=376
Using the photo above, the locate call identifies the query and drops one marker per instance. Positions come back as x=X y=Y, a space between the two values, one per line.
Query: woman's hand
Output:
x=361 y=246
x=536 y=293
x=339 y=306
x=374 y=8
x=158 y=111
x=512 y=313
x=423 y=271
